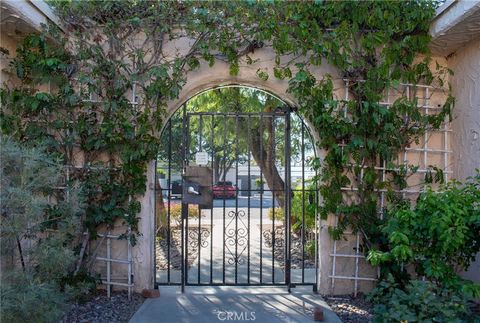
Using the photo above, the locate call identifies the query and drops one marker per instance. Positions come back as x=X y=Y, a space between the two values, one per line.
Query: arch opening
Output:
x=260 y=228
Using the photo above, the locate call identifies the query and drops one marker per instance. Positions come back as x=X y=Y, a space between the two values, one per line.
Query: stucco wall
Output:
x=465 y=64
x=10 y=45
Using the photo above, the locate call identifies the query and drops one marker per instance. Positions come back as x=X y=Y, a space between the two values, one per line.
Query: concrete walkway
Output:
x=219 y=304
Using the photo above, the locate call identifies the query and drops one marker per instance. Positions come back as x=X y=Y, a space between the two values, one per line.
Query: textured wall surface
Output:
x=466 y=126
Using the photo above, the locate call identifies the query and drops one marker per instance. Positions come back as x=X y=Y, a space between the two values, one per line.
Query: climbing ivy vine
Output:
x=113 y=53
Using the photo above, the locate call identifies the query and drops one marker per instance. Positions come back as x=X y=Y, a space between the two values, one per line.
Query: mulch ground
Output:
x=101 y=309
x=351 y=309
x=296 y=249
x=161 y=248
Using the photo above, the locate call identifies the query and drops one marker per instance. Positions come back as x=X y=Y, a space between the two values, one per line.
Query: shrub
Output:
x=436 y=239
x=37 y=236
x=438 y=236
x=300 y=205
x=420 y=301
x=310 y=248
x=279 y=214
x=25 y=299
x=176 y=213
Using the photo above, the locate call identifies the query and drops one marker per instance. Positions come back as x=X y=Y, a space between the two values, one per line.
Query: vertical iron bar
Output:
x=187 y=229
x=224 y=175
x=261 y=198
x=272 y=166
x=184 y=207
x=211 y=209
x=303 y=201
x=236 y=198
x=199 y=208
x=317 y=229
x=155 y=226
x=287 y=200
x=199 y=241
x=169 y=195
x=248 y=202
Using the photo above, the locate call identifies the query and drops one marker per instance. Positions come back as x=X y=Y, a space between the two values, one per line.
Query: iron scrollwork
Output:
x=236 y=236
x=195 y=241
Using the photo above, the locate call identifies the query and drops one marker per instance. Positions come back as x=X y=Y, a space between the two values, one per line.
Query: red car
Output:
x=224 y=190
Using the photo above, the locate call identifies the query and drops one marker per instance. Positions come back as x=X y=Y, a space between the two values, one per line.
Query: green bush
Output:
x=420 y=301
x=300 y=205
x=279 y=214
x=310 y=248
x=24 y=298
x=436 y=239
x=438 y=236
x=175 y=213
x=38 y=235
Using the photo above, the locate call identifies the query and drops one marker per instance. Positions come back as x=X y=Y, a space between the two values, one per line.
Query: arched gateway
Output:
x=145 y=271
x=235 y=193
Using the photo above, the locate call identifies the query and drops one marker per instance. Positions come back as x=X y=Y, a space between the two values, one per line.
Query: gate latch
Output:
x=197 y=186
x=191 y=190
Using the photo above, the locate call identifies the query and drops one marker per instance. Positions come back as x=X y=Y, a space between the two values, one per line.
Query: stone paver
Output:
x=220 y=304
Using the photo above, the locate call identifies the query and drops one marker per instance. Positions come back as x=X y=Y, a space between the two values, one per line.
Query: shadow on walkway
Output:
x=220 y=304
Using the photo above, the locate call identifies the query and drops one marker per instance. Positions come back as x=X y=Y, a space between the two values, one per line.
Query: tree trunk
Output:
x=268 y=167
x=265 y=158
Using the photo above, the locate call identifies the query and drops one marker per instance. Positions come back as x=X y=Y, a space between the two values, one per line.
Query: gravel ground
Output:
x=296 y=248
x=101 y=309
x=175 y=248
x=350 y=309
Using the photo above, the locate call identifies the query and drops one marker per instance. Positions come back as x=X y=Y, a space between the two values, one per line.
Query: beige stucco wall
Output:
x=10 y=45
x=465 y=64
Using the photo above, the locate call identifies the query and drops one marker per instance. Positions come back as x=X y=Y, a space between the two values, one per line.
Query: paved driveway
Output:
x=243 y=202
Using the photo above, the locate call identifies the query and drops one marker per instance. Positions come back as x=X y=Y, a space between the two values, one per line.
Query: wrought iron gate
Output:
x=245 y=236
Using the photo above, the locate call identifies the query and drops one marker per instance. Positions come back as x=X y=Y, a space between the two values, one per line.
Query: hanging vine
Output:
x=114 y=53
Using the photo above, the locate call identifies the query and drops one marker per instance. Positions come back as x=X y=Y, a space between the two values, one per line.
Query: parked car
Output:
x=224 y=190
